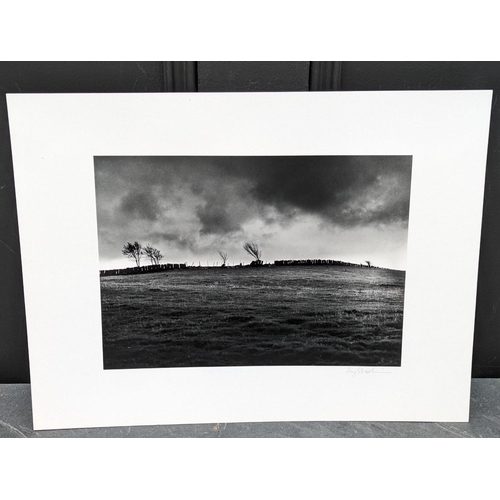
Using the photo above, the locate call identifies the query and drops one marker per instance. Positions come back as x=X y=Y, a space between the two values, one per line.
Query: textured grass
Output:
x=253 y=316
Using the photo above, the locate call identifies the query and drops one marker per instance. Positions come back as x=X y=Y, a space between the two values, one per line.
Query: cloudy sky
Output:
x=294 y=207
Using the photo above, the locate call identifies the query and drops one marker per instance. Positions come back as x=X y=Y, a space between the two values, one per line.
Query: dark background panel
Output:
x=419 y=75
x=81 y=77
x=253 y=76
x=13 y=344
x=237 y=77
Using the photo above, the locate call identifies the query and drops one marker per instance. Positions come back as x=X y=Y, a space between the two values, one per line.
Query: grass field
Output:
x=310 y=315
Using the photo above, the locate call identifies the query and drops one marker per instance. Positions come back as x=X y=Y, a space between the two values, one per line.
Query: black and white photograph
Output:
x=252 y=260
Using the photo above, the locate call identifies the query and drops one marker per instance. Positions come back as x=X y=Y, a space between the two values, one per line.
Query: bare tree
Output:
x=133 y=251
x=153 y=253
x=158 y=256
x=369 y=263
x=254 y=251
x=223 y=256
x=148 y=251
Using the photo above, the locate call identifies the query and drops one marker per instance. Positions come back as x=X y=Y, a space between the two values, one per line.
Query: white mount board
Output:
x=54 y=140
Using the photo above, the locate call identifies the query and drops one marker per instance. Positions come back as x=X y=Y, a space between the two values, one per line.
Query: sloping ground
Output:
x=254 y=316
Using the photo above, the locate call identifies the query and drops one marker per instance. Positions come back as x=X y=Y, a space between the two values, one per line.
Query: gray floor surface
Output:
x=15 y=422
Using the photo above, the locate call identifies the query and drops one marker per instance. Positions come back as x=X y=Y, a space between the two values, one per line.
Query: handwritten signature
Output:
x=365 y=371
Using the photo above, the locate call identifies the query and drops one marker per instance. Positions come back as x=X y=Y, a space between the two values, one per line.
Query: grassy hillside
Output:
x=253 y=316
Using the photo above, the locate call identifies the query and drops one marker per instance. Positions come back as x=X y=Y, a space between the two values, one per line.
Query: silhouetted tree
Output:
x=133 y=251
x=153 y=253
x=158 y=256
x=254 y=251
x=369 y=263
x=223 y=256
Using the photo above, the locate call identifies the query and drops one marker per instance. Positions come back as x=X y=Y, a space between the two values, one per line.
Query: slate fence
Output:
x=142 y=269
x=167 y=267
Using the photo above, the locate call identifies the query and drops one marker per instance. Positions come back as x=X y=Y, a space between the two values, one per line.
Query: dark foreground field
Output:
x=253 y=316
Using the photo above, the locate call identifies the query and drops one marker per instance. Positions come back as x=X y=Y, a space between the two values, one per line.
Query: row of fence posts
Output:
x=142 y=269
x=165 y=267
x=315 y=262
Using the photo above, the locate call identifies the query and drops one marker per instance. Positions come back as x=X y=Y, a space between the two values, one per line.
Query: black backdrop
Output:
x=232 y=77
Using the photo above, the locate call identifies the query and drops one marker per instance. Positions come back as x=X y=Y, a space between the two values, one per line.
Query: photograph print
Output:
x=252 y=260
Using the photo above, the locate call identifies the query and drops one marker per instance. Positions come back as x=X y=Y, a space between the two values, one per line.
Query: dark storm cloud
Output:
x=349 y=190
x=342 y=190
x=226 y=204
x=140 y=205
x=216 y=219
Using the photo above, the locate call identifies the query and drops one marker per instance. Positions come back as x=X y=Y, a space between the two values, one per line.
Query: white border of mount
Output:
x=54 y=139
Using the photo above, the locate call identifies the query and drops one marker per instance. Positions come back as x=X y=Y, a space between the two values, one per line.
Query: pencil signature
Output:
x=365 y=371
